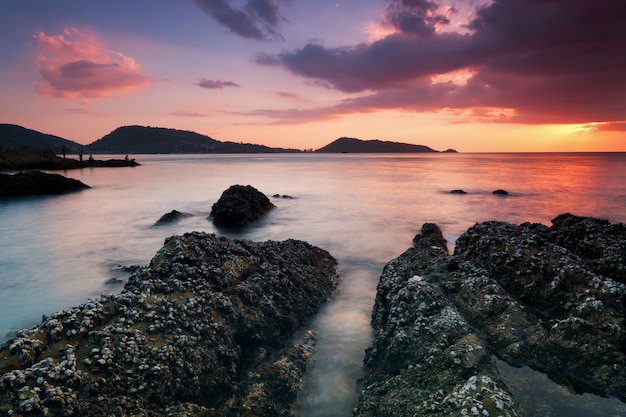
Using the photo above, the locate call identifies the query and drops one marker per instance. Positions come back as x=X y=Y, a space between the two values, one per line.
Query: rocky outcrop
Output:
x=206 y=330
x=171 y=217
x=21 y=159
x=37 y=182
x=552 y=298
x=240 y=205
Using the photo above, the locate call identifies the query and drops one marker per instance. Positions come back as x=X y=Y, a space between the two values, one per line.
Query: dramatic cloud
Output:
x=419 y=17
x=76 y=64
x=548 y=61
x=215 y=84
x=257 y=19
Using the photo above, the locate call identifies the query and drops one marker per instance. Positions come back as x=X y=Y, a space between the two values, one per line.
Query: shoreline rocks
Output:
x=239 y=206
x=552 y=298
x=22 y=159
x=207 y=329
x=37 y=183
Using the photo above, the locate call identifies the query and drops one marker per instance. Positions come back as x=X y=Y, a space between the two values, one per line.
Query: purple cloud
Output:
x=215 y=84
x=418 y=17
x=548 y=61
x=258 y=19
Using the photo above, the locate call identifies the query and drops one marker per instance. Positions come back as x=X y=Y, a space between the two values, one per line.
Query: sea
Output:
x=365 y=209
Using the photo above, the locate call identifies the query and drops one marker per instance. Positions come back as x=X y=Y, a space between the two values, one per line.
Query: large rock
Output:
x=206 y=330
x=37 y=182
x=552 y=298
x=426 y=358
x=240 y=205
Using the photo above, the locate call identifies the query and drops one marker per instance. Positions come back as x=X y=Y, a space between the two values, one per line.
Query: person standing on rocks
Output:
x=63 y=150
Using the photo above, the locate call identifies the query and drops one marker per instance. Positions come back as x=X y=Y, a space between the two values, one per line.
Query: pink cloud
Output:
x=215 y=84
x=189 y=114
x=75 y=64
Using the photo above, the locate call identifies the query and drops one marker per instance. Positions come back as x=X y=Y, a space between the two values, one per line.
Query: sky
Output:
x=472 y=75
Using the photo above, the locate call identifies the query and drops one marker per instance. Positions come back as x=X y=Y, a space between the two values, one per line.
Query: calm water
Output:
x=365 y=209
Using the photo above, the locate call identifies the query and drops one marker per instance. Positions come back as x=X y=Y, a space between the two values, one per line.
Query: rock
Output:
x=240 y=205
x=500 y=192
x=283 y=196
x=552 y=298
x=113 y=281
x=426 y=359
x=213 y=326
x=458 y=192
x=171 y=217
x=37 y=183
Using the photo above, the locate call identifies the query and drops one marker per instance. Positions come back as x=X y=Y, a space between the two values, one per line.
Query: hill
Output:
x=149 y=140
x=14 y=136
x=352 y=145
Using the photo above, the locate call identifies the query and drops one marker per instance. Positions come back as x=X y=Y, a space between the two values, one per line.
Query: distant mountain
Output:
x=14 y=136
x=352 y=145
x=149 y=140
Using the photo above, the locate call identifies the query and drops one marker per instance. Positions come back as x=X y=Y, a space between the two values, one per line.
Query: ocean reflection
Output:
x=364 y=209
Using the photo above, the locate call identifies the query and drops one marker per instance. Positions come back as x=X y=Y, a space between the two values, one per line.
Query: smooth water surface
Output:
x=57 y=251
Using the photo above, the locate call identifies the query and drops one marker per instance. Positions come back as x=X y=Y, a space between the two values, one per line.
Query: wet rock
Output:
x=458 y=192
x=500 y=192
x=240 y=205
x=552 y=298
x=213 y=326
x=426 y=359
x=37 y=183
x=285 y=196
x=171 y=217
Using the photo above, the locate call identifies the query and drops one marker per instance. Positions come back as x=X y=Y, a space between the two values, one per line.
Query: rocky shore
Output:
x=21 y=159
x=552 y=298
x=218 y=327
x=212 y=327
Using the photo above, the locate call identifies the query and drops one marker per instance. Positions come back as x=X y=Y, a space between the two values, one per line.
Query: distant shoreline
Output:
x=19 y=159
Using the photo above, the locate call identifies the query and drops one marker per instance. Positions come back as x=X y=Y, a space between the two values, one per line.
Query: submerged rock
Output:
x=171 y=217
x=37 y=183
x=207 y=329
x=240 y=205
x=552 y=298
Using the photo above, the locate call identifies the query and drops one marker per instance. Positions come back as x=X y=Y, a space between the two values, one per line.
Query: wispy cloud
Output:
x=556 y=61
x=189 y=114
x=215 y=84
x=289 y=95
x=257 y=19
x=76 y=64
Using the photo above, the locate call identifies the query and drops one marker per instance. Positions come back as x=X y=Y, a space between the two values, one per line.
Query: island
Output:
x=159 y=140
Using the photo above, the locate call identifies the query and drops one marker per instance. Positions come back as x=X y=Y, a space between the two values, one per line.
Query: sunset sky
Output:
x=473 y=75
